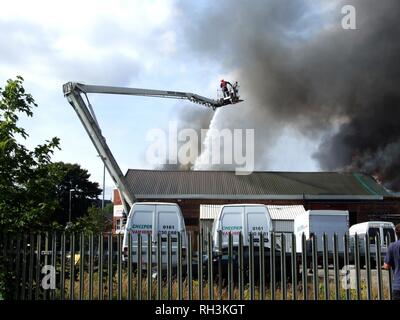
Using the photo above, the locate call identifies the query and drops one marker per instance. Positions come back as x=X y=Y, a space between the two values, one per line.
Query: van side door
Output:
x=167 y=222
x=257 y=222
x=231 y=221
x=141 y=222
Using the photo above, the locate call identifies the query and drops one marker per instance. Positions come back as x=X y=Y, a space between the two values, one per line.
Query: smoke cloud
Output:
x=193 y=117
x=300 y=69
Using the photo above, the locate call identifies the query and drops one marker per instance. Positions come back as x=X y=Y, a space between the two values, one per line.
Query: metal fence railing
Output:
x=87 y=266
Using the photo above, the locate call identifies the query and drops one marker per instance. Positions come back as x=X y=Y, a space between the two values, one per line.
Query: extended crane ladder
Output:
x=71 y=86
x=88 y=119
x=73 y=91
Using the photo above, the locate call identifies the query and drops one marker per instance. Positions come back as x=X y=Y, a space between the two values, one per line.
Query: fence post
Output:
x=189 y=266
x=159 y=266
x=314 y=247
x=379 y=265
x=110 y=266
x=24 y=262
x=326 y=263
x=169 y=265
x=129 y=266
x=262 y=266
x=304 y=265
x=139 y=268
x=390 y=271
x=149 y=265
x=294 y=268
x=241 y=267
x=91 y=269
x=72 y=267
x=119 y=265
x=31 y=266
x=336 y=264
x=272 y=266
x=62 y=279
x=368 y=265
x=200 y=264
x=357 y=265
x=100 y=263
x=283 y=266
x=210 y=267
x=17 y=267
x=220 y=264
x=38 y=268
x=179 y=266
x=251 y=266
x=53 y=260
x=346 y=260
x=230 y=276
x=81 y=266
x=46 y=258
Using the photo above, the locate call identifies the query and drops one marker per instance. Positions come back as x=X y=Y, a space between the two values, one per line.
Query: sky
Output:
x=118 y=43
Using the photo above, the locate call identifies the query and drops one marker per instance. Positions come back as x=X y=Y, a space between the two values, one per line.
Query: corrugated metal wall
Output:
x=209 y=211
x=283 y=225
x=206 y=225
x=286 y=227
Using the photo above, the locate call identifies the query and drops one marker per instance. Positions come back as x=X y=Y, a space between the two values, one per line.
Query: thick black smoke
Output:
x=299 y=68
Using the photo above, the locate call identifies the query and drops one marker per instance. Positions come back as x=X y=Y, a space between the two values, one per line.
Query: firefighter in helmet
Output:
x=224 y=88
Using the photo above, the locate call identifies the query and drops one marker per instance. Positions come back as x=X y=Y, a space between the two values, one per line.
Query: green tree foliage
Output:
x=109 y=209
x=34 y=192
x=27 y=197
x=85 y=193
x=96 y=221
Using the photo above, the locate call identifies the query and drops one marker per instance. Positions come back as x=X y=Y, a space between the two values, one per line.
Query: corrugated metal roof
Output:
x=147 y=184
x=285 y=212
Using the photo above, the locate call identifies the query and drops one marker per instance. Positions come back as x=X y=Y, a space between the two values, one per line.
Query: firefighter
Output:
x=235 y=89
x=224 y=87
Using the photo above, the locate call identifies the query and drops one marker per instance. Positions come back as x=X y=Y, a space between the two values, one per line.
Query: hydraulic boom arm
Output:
x=83 y=88
x=73 y=91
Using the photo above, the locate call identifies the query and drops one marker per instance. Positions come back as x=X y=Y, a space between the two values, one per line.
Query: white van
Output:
x=373 y=228
x=316 y=223
x=153 y=218
x=245 y=219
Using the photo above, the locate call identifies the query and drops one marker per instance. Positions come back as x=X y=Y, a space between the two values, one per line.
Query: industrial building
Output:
x=360 y=194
